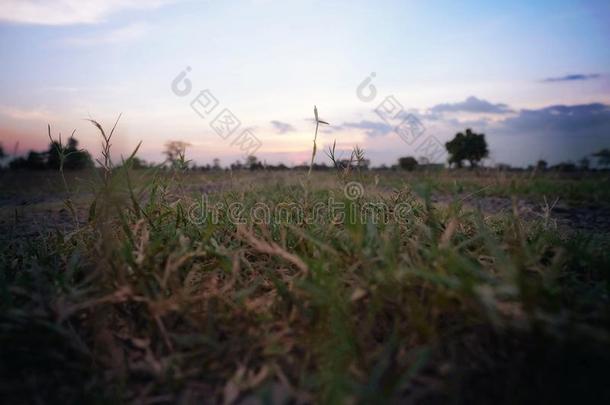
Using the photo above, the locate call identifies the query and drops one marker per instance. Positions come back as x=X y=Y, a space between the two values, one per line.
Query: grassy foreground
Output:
x=144 y=299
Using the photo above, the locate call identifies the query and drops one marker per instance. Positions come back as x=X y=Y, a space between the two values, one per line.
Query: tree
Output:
x=175 y=152
x=2 y=156
x=542 y=165
x=54 y=155
x=74 y=158
x=237 y=165
x=252 y=163
x=584 y=163
x=467 y=146
x=138 y=164
x=18 y=163
x=34 y=161
x=564 y=167
x=603 y=157
x=216 y=164
x=407 y=163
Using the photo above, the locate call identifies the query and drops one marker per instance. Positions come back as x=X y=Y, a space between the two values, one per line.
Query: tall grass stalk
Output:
x=63 y=155
x=315 y=137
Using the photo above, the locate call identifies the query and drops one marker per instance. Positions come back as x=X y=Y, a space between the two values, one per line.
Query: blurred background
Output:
x=533 y=77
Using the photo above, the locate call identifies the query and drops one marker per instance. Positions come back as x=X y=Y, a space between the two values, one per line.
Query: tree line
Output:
x=466 y=147
x=73 y=158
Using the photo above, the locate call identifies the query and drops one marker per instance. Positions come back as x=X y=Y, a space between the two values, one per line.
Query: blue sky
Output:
x=546 y=63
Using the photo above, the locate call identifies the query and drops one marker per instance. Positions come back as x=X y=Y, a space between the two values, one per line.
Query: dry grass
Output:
x=141 y=304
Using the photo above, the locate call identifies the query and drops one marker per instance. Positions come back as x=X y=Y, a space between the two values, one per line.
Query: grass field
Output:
x=124 y=285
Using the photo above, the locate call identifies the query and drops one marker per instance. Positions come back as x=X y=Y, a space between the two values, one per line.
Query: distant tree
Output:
x=467 y=146
x=237 y=165
x=564 y=167
x=407 y=163
x=252 y=163
x=345 y=163
x=2 y=156
x=137 y=163
x=34 y=161
x=18 y=163
x=175 y=151
x=74 y=158
x=352 y=163
x=322 y=166
x=584 y=163
x=542 y=165
x=364 y=164
x=54 y=155
x=603 y=157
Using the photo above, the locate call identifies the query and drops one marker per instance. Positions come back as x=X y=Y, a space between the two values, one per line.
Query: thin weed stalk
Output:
x=315 y=137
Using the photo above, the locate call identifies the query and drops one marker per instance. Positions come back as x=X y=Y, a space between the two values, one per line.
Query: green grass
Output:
x=587 y=188
x=139 y=303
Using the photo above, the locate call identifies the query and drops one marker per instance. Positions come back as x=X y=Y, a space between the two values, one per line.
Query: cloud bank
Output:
x=472 y=105
x=583 y=120
x=67 y=12
x=571 y=78
x=128 y=33
x=558 y=121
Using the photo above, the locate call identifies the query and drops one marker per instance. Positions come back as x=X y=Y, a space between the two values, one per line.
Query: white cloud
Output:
x=21 y=114
x=282 y=127
x=124 y=34
x=66 y=12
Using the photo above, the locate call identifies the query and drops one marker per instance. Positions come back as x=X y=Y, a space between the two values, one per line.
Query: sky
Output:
x=396 y=78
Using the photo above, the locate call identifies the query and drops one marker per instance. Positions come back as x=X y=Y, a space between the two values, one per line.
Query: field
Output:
x=169 y=285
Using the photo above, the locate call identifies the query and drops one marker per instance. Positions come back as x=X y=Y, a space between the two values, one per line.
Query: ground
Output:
x=31 y=200
x=470 y=287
